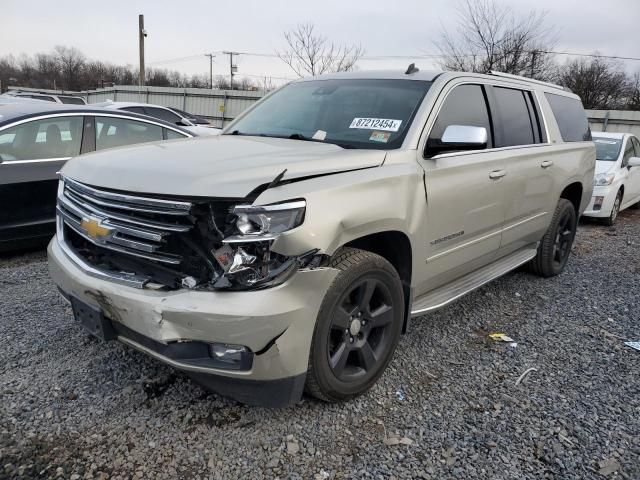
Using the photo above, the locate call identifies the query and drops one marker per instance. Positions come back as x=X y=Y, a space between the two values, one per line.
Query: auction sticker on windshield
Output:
x=386 y=124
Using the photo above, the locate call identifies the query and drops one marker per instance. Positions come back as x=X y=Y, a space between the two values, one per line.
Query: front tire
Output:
x=555 y=246
x=611 y=219
x=358 y=326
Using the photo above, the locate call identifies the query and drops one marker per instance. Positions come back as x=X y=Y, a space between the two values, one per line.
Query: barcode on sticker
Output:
x=386 y=124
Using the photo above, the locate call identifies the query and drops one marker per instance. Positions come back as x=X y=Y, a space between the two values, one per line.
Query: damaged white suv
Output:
x=289 y=253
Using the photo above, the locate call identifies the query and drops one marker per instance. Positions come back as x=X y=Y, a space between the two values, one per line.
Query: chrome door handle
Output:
x=496 y=174
x=546 y=163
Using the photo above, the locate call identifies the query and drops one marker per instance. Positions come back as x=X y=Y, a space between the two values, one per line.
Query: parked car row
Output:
x=37 y=139
x=617 y=178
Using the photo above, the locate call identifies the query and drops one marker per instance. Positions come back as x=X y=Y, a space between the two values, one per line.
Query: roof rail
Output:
x=525 y=79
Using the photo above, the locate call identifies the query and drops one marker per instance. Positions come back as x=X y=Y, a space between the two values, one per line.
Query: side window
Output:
x=628 y=152
x=636 y=146
x=139 y=110
x=46 y=98
x=116 y=132
x=162 y=114
x=571 y=118
x=465 y=105
x=72 y=100
x=515 y=127
x=42 y=139
x=172 y=134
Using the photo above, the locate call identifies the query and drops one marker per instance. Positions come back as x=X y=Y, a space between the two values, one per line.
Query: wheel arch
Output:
x=395 y=247
x=573 y=193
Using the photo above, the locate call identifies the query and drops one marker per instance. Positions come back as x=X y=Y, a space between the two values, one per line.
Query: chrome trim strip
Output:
x=122 y=206
x=98 y=114
x=500 y=149
x=151 y=202
x=485 y=237
x=133 y=281
x=75 y=225
x=464 y=245
x=125 y=242
x=521 y=222
x=41 y=160
x=270 y=208
x=135 y=232
x=250 y=238
x=68 y=201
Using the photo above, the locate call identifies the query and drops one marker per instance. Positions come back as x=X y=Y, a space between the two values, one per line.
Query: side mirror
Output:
x=634 y=162
x=184 y=123
x=459 y=137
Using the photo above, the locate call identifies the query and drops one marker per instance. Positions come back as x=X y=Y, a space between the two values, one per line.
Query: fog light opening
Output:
x=231 y=357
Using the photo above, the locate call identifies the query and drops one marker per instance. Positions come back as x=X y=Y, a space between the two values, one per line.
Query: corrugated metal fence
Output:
x=220 y=106
x=614 y=121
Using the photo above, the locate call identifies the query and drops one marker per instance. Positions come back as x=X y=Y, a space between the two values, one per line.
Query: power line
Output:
x=403 y=57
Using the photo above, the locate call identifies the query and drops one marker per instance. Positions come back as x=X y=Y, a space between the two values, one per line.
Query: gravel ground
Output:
x=448 y=406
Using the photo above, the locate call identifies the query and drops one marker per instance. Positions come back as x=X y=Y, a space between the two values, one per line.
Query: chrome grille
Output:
x=129 y=224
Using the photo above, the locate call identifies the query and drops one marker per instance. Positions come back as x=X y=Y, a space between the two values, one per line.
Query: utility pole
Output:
x=142 y=33
x=533 y=62
x=211 y=57
x=232 y=68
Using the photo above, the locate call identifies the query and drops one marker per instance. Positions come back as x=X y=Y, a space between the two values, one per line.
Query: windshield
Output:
x=352 y=113
x=607 y=149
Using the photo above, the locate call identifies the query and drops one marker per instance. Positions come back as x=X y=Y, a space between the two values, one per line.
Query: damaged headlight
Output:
x=246 y=257
x=269 y=219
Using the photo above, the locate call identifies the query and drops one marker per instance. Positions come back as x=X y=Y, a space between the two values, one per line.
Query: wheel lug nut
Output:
x=350 y=339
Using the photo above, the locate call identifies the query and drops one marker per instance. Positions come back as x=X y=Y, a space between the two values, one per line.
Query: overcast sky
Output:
x=108 y=30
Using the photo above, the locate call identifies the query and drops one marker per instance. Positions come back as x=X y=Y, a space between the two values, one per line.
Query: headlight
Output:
x=246 y=257
x=269 y=219
x=602 y=179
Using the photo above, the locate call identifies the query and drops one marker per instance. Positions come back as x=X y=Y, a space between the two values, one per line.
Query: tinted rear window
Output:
x=571 y=118
x=72 y=100
x=514 y=115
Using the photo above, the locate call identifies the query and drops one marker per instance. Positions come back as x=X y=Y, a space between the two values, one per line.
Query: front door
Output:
x=632 y=193
x=31 y=154
x=465 y=194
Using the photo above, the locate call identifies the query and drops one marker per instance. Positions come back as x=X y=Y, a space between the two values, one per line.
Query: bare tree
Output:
x=633 y=102
x=490 y=36
x=309 y=53
x=599 y=83
x=71 y=61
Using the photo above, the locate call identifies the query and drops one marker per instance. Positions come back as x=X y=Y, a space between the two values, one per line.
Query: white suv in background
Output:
x=617 y=177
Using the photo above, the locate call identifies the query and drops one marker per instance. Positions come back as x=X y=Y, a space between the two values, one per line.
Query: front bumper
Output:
x=276 y=324
x=608 y=192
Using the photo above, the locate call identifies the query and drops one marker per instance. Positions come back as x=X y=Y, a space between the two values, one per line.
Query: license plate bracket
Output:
x=93 y=320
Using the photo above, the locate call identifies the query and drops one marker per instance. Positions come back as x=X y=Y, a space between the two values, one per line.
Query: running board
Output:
x=448 y=293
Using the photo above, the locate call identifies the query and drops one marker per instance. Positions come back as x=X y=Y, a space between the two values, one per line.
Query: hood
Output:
x=603 y=166
x=214 y=166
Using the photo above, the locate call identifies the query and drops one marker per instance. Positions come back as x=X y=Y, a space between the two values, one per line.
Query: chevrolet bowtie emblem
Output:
x=93 y=228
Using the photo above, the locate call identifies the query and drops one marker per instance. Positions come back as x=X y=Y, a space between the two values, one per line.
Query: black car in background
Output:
x=36 y=139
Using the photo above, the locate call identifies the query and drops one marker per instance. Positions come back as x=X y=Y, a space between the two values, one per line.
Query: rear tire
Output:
x=358 y=326
x=615 y=210
x=555 y=246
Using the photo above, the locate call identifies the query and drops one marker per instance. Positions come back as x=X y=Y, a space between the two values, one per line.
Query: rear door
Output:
x=465 y=192
x=632 y=187
x=111 y=132
x=32 y=153
x=528 y=182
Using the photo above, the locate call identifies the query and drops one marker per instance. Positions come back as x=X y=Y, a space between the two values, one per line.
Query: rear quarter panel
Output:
x=573 y=161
